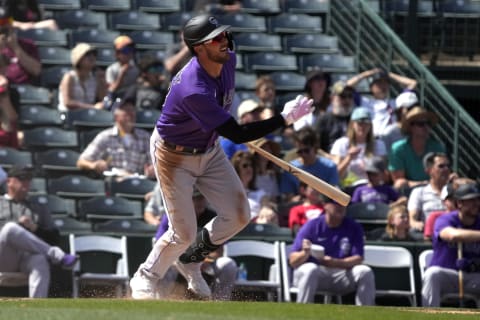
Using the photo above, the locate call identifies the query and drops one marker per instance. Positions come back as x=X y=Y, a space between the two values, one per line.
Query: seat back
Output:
x=424 y=259
x=75 y=186
x=132 y=188
x=106 y=208
x=11 y=156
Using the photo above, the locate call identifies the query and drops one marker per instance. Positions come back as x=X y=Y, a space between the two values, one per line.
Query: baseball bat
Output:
x=460 y=277
x=314 y=182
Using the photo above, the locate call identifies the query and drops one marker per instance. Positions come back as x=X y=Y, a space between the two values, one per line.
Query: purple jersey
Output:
x=383 y=193
x=343 y=241
x=196 y=104
x=445 y=253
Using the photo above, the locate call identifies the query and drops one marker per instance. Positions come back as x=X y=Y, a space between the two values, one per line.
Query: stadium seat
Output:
x=57 y=162
x=126 y=227
x=11 y=156
x=131 y=188
x=134 y=20
x=109 y=207
x=86 y=119
x=56 y=205
x=86 y=136
x=288 y=81
x=50 y=56
x=52 y=76
x=95 y=37
x=157 y=6
x=105 y=56
x=147 y=118
x=59 y=4
x=270 y=61
x=264 y=232
x=369 y=215
x=245 y=81
x=310 y=43
x=107 y=5
x=174 y=21
x=151 y=40
x=43 y=138
x=45 y=37
x=75 y=19
x=34 y=116
x=76 y=187
x=312 y=7
x=243 y=22
x=294 y=23
x=327 y=62
x=103 y=261
x=30 y=94
x=258 y=42
x=262 y=7
x=38 y=185
x=67 y=225
x=246 y=94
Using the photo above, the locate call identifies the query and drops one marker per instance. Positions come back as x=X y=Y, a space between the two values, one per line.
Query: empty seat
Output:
x=41 y=138
x=327 y=62
x=76 y=187
x=288 y=81
x=310 y=43
x=294 y=23
x=34 y=116
x=67 y=225
x=52 y=76
x=152 y=40
x=11 y=156
x=245 y=81
x=312 y=7
x=74 y=19
x=84 y=119
x=131 y=188
x=54 y=56
x=59 y=4
x=175 y=21
x=125 y=227
x=57 y=206
x=107 y=5
x=45 y=37
x=58 y=162
x=261 y=7
x=134 y=20
x=243 y=22
x=258 y=42
x=147 y=118
x=158 y=6
x=30 y=94
x=270 y=61
x=96 y=37
x=38 y=185
x=105 y=56
x=109 y=207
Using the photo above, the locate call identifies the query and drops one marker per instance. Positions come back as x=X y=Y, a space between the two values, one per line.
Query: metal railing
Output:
x=363 y=34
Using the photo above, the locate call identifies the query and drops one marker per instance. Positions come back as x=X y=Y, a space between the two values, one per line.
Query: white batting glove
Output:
x=295 y=109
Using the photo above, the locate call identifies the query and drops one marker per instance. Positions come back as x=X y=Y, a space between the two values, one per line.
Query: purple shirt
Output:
x=383 y=193
x=196 y=104
x=445 y=253
x=343 y=241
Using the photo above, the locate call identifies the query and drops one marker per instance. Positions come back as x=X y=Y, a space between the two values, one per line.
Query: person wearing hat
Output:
x=22 y=53
x=28 y=238
x=185 y=151
x=333 y=124
x=83 y=87
x=121 y=150
x=459 y=226
x=123 y=73
x=351 y=151
x=381 y=104
x=392 y=133
x=340 y=271
x=405 y=159
x=376 y=190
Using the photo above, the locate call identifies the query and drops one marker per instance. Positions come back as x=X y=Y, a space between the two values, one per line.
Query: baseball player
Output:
x=185 y=153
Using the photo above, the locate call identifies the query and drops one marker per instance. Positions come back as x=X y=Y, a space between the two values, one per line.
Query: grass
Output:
x=115 y=309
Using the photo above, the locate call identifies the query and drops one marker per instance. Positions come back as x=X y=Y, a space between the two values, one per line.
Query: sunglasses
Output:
x=217 y=39
x=246 y=165
x=126 y=50
x=346 y=96
x=421 y=123
x=303 y=150
x=443 y=165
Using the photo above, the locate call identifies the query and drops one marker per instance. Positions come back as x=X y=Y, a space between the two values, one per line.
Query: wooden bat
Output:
x=314 y=182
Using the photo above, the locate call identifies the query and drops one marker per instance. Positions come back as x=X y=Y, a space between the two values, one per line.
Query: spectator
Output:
x=83 y=87
x=381 y=104
x=27 y=14
x=451 y=229
x=8 y=109
x=310 y=208
x=26 y=232
x=268 y=215
x=177 y=55
x=150 y=90
x=316 y=88
x=352 y=150
x=219 y=271
x=242 y=162
x=24 y=66
x=397 y=228
x=154 y=209
x=266 y=93
x=267 y=173
x=340 y=270
x=405 y=158
x=392 y=133
x=122 y=149
x=376 y=190
x=320 y=166
x=333 y=124
x=124 y=72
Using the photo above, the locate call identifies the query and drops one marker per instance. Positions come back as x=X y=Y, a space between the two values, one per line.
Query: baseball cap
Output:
x=21 y=172
x=406 y=100
x=374 y=164
x=121 y=42
x=247 y=106
x=467 y=191
x=447 y=191
x=361 y=113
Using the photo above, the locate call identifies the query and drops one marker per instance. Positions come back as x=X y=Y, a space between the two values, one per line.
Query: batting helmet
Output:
x=200 y=29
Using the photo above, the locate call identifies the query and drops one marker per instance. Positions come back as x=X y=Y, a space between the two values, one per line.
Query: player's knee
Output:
x=9 y=228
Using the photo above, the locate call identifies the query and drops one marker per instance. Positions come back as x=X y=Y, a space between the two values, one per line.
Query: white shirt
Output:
x=425 y=200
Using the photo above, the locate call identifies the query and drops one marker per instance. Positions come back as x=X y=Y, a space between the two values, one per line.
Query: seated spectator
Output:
x=28 y=238
x=267 y=173
x=154 y=209
x=381 y=104
x=123 y=73
x=376 y=190
x=424 y=200
x=320 y=166
x=405 y=158
x=310 y=208
x=266 y=93
x=83 y=87
x=352 y=150
x=27 y=14
x=177 y=55
x=122 y=149
x=150 y=90
x=219 y=271
x=398 y=227
x=24 y=65
x=268 y=215
x=9 y=104
x=242 y=162
x=392 y=133
x=333 y=124
x=340 y=271
x=459 y=227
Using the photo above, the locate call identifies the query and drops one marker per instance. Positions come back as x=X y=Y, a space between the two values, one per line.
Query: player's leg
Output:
x=308 y=277
x=365 y=285
x=436 y=282
x=38 y=269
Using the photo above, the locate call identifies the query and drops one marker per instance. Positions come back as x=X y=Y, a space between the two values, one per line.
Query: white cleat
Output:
x=142 y=287
x=196 y=283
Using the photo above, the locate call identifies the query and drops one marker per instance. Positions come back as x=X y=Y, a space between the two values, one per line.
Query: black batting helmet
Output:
x=200 y=29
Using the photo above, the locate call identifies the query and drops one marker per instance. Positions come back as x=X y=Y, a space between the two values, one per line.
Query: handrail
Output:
x=363 y=34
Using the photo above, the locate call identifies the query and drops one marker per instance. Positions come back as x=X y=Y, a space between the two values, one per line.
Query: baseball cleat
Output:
x=196 y=283
x=142 y=287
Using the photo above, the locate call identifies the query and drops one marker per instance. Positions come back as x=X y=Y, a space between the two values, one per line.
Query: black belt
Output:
x=182 y=149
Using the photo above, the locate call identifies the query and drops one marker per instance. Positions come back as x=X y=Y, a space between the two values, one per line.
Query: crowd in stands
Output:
x=374 y=145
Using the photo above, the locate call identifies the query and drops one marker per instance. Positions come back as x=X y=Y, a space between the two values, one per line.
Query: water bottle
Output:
x=242 y=272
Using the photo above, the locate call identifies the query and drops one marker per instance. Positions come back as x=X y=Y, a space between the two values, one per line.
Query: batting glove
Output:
x=296 y=109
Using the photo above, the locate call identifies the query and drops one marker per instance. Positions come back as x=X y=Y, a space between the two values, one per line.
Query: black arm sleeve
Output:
x=240 y=133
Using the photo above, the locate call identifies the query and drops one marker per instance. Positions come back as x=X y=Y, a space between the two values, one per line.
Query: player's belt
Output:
x=182 y=149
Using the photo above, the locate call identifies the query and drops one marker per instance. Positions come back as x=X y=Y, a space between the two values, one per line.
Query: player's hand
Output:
x=296 y=109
